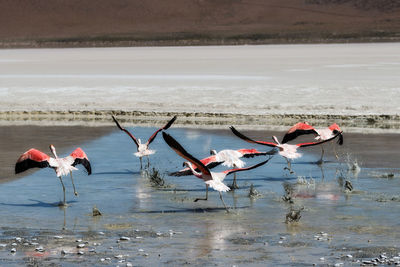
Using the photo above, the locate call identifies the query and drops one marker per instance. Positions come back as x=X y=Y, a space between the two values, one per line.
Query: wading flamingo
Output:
x=211 y=179
x=287 y=151
x=302 y=128
x=34 y=158
x=231 y=158
x=143 y=149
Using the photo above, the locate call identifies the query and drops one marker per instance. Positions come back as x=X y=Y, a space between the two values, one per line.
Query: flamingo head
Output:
x=139 y=141
x=213 y=152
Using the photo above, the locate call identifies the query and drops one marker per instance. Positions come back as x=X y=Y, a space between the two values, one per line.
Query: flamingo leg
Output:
x=289 y=167
x=141 y=166
x=63 y=204
x=148 y=161
x=322 y=155
x=73 y=185
x=234 y=185
x=220 y=196
x=206 y=198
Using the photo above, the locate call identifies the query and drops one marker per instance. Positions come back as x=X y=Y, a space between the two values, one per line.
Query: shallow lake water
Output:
x=164 y=225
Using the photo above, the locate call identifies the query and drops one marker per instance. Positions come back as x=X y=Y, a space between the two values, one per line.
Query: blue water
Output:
x=250 y=232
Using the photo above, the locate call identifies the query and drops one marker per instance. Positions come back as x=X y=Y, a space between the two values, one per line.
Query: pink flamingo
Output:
x=302 y=128
x=211 y=179
x=143 y=149
x=287 y=151
x=62 y=166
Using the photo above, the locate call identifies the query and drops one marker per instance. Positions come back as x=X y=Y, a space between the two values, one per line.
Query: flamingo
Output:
x=287 y=151
x=143 y=149
x=62 y=166
x=231 y=158
x=321 y=134
x=211 y=179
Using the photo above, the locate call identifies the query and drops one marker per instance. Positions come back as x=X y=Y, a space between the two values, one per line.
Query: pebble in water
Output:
x=80 y=246
x=40 y=249
x=3 y=245
x=58 y=237
x=13 y=250
x=124 y=238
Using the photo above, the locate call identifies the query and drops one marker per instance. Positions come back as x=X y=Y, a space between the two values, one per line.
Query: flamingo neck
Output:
x=276 y=140
x=53 y=151
x=195 y=173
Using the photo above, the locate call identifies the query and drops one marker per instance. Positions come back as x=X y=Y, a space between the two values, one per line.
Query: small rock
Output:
x=128 y=264
x=338 y=264
x=78 y=240
x=58 y=237
x=101 y=233
x=34 y=243
x=18 y=239
x=3 y=245
x=102 y=259
x=280 y=242
x=124 y=238
x=121 y=261
x=283 y=238
x=14 y=244
x=322 y=259
x=159 y=234
x=13 y=250
x=25 y=244
x=118 y=256
x=40 y=249
x=80 y=252
x=108 y=259
x=349 y=256
x=80 y=246
x=96 y=212
x=139 y=237
x=140 y=250
x=64 y=252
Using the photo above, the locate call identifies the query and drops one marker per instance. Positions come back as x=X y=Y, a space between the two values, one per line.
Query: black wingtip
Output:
x=116 y=122
x=170 y=123
x=340 y=140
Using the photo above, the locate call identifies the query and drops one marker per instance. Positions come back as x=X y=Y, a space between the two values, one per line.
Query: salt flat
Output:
x=346 y=79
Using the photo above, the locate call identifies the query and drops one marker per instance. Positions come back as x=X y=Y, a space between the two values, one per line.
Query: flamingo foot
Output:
x=233 y=186
x=62 y=204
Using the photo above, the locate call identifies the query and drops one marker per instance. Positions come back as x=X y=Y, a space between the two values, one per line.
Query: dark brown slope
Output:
x=87 y=22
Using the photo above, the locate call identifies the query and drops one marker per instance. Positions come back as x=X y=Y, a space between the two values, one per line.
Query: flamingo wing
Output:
x=227 y=172
x=79 y=157
x=250 y=153
x=32 y=158
x=125 y=130
x=318 y=143
x=298 y=129
x=247 y=139
x=165 y=127
x=184 y=154
x=208 y=162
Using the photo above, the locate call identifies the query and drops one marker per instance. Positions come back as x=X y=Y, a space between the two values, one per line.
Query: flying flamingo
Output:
x=231 y=158
x=62 y=166
x=143 y=149
x=287 y=151
x=321 y=134
x=211 y=179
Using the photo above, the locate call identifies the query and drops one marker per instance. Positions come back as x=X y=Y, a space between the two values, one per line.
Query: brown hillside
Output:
x=97 y=22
